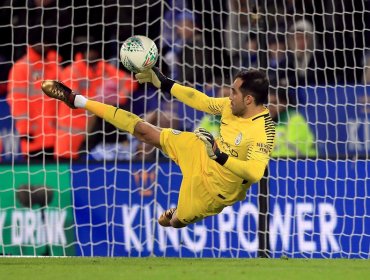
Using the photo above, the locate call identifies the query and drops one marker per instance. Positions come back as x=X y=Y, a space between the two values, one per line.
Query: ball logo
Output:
x=134 y=45
x=130 y=65
x=151 y=57
x=238 y=139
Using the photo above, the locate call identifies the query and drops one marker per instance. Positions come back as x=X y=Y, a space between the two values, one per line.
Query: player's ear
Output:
x=248 y=99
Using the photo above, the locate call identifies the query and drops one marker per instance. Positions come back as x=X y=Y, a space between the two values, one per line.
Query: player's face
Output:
x=238 y=101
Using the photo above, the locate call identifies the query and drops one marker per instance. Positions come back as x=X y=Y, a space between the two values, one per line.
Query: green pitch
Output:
x=176 y=269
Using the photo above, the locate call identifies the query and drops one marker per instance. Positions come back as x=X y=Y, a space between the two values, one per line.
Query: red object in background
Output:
x=34 y=112
x=101 y=82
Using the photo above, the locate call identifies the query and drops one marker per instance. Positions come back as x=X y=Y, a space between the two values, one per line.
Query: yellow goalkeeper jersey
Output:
x=248 y=142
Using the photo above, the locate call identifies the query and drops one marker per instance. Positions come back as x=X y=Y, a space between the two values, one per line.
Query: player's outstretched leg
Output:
x=121 y=119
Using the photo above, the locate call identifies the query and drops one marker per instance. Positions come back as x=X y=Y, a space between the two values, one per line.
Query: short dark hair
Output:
x=255 y=83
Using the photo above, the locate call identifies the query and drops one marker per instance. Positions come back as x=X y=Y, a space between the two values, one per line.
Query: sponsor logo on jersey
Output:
x=263 y=148
x=238 y=139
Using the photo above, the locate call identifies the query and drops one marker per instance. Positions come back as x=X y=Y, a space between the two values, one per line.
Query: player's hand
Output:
x=211 y=146
x=153 y=76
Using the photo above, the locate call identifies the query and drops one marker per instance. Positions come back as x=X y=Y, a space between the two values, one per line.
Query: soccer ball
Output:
x=138 y=53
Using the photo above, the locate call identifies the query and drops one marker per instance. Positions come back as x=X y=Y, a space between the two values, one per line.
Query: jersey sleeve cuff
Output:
x=222 y=158
x=166 y=85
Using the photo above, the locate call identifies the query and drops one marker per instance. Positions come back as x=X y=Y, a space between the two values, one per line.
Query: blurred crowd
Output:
x=203 y=44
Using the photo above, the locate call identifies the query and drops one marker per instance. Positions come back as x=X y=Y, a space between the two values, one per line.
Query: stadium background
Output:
x=106 y=206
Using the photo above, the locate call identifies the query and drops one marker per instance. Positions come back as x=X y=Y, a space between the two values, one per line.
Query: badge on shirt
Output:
x=238 y=139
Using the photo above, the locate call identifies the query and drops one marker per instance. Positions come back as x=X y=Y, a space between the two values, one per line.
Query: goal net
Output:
x=72 y=184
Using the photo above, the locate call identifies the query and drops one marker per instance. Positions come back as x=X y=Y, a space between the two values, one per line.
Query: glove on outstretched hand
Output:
x=211 y=146
x=155 y=77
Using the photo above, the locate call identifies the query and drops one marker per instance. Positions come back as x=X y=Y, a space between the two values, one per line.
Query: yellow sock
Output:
x=121 y=119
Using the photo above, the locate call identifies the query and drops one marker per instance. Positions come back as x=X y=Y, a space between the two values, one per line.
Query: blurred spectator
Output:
x=95 y=78
x=366 y=76
x=108 y=21
x=34 y=113
x=241 y=20
x=307 y=63
x=240 y=42
x=174 y=9
x=295 y=9
x=276 y=57
x=21 y=15
x=121 y=19
x=294 y=136
x=249 y=53
x=347 y=26
x=5 y=46
x=16 y=19
x=278 y=14
x=188 y=61
x=210 y=19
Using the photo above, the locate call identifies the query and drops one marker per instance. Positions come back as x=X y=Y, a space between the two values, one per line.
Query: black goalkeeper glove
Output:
x=155 y=77
x=211 y=146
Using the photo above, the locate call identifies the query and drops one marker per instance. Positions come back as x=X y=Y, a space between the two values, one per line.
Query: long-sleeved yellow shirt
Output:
x=247 y=142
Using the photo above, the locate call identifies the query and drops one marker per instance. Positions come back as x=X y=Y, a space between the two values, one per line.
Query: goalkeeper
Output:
x=216 y=172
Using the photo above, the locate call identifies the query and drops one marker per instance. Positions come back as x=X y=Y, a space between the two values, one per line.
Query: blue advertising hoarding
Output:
x=316 y=209
x=320 y=208
x=120 y=219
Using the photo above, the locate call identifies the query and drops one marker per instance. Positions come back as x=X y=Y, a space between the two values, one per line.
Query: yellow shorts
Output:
x=195 y=202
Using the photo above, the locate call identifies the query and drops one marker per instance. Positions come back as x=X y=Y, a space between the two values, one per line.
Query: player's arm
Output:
x=190 y=96
x=251 y=170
